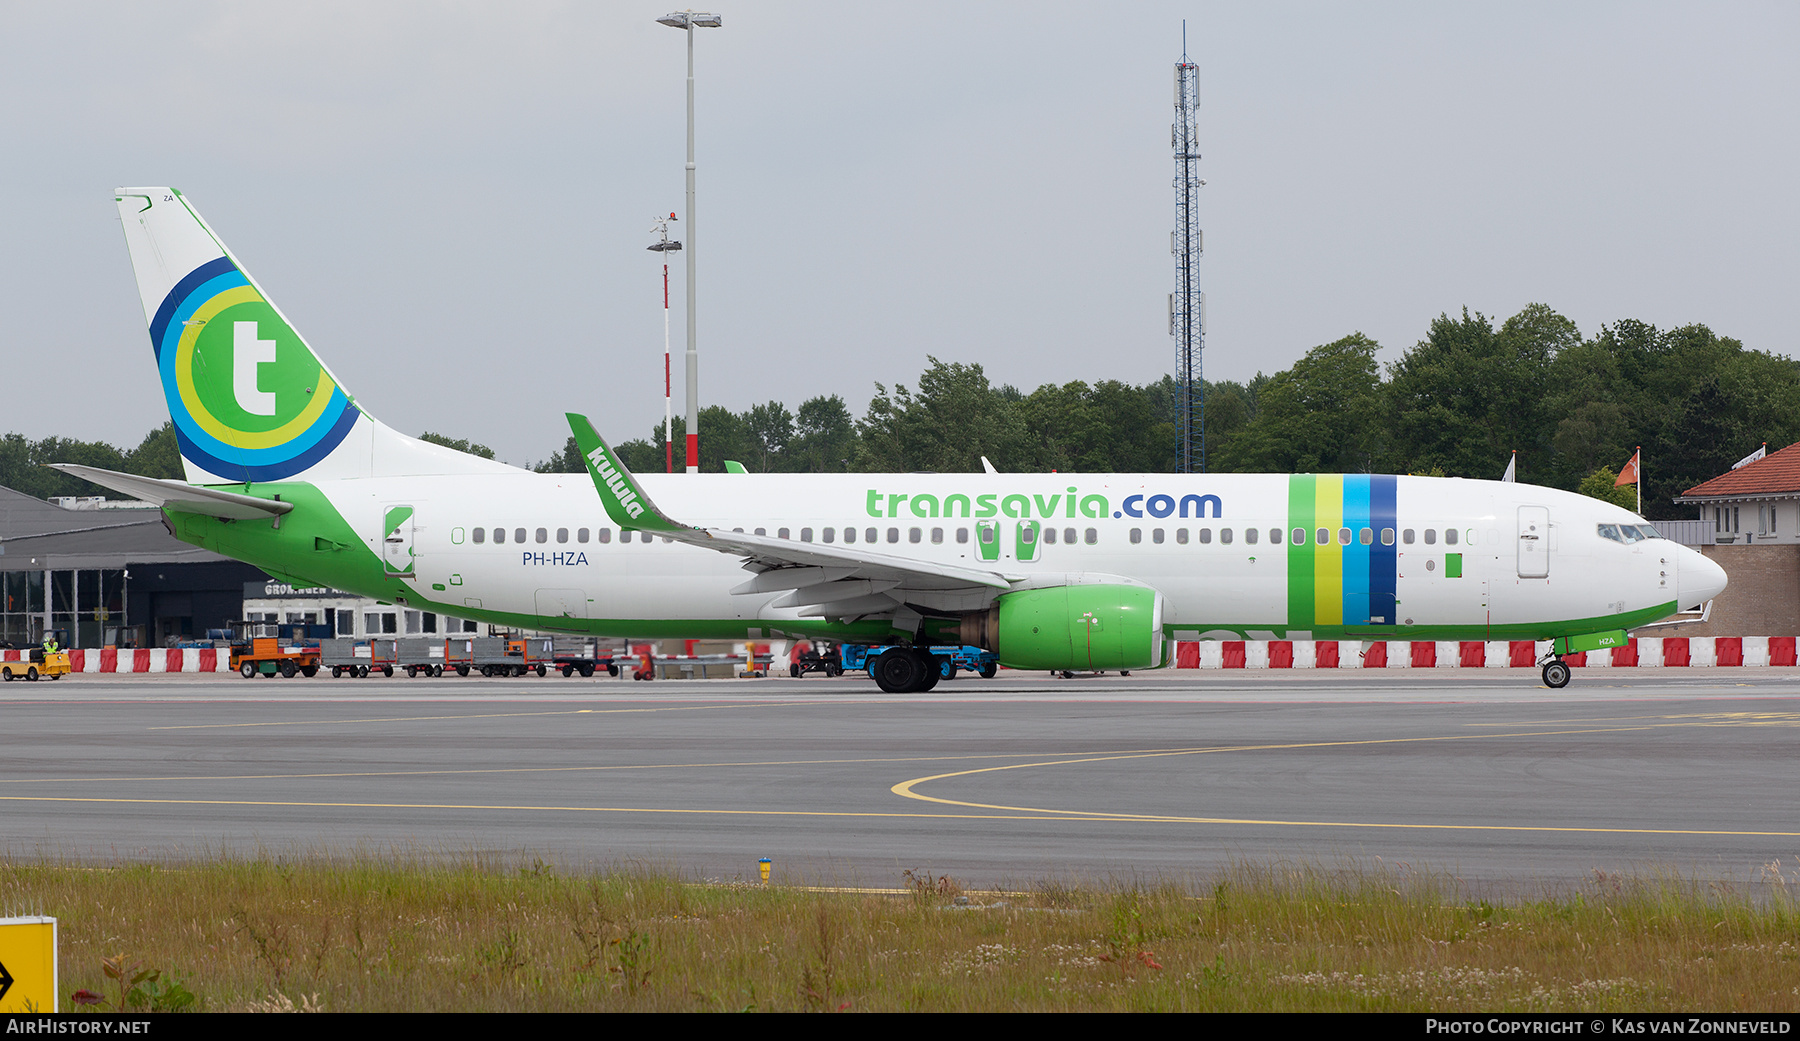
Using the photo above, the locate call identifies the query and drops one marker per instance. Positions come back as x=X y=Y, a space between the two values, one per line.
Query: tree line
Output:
x=1457 y=404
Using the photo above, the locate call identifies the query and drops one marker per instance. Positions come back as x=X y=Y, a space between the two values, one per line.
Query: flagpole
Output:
x=1640 y=479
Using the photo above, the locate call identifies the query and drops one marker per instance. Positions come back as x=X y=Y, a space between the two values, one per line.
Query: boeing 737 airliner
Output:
x=286 y=470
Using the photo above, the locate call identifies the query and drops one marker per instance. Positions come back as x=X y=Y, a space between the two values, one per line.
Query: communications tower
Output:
x=1187 y=304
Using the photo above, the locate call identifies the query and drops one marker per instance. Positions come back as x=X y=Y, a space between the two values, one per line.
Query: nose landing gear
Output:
x=1556 y=674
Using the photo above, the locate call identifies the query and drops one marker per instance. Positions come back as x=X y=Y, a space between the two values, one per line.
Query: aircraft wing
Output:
x=822 y=581
x=180 y=495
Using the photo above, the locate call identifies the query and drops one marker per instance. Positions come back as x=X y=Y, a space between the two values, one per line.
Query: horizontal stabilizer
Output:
x=179 y=495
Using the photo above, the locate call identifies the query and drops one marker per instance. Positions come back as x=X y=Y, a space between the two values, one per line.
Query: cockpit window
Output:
x=1629 y=533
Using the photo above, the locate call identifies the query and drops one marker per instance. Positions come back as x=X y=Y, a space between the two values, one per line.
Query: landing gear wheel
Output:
x=247 y=670
x=931 y=671
x=1556 y=675
x=898 y=671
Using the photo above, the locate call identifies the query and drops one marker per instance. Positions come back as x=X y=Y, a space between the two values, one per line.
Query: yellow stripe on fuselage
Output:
x=1328 y=560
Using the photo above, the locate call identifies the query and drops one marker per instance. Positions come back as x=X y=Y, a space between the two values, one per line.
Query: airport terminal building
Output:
x=107 y=573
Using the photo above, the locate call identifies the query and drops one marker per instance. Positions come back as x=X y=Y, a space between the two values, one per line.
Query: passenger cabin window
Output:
x=1366 y=537
x=1206 y=536
x=805 y=534
x=962 y=535
x=1137 y=536
x=781 y=533
x=1322 y=536
x=1225 y=536
x=849 y=535
x=828 y=534
x=1156 y=536
x=519 y=534
x=562 y=535
x=1343 y=536
x=543 y=536
x=1050 y=536
x=1449 y=536
x=937 y=537
x=480 y=535
x=915 y=535
x=1069 y=536
x=1092 y=536
x=1387 y=536
x=581 y=535
x=604 y=534
x=1431 y=536
x=500 y=536
x=1407 y=536
x=1181 y=536
x=1299 y=536
x=870 y=535
x=893 y=534
x=1249 y=537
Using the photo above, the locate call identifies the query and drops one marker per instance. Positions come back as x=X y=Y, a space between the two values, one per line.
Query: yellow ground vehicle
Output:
x=54 y=664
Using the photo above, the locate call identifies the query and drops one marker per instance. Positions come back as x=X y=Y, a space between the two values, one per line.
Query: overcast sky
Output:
x=451 y=201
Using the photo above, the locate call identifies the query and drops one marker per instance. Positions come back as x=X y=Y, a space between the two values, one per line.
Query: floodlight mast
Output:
x=1187 y=305
x=688 y=21
x=666 y=246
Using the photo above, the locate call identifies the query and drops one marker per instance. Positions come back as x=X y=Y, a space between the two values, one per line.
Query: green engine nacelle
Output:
x=1088 y=627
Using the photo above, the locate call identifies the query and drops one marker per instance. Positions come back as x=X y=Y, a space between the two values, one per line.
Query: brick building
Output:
x=1749 y=523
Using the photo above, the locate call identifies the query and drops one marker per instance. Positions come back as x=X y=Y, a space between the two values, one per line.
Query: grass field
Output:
x=375 y=934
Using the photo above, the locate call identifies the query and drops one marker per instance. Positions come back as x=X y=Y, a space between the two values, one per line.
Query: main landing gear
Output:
x=907 y=670
x=1556 y=674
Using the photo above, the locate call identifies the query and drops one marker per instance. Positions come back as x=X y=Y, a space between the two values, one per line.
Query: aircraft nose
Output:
x=1697 y=578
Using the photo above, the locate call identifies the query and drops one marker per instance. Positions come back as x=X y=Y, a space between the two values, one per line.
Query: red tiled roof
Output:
x=1774 y=473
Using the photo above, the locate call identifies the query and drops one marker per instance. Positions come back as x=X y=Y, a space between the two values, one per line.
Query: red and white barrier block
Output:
x=142 y=659
x=1652 y=651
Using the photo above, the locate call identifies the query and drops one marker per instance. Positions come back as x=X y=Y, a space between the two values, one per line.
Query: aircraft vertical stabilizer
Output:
x=250 y=400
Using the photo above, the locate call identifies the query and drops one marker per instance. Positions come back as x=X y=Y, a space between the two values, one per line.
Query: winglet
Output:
x=625 y=502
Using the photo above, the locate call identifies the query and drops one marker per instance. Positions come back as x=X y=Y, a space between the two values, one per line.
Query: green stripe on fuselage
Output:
x=1302 y=488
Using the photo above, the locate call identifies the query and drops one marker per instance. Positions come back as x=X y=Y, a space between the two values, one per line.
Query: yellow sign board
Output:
x=27 y=965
